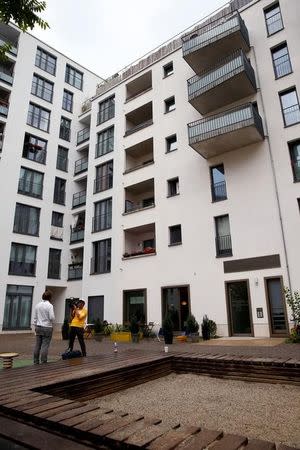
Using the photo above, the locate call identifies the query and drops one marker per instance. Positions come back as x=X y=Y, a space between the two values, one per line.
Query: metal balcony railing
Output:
x=131 y=206
x=54 y=268
x=76 y=235
x=26 y=268
x=83 y=135
x=31 y=188
x=223 y=245
x=218 y=191
x=103 y=183
x=213 y=32
x=79 y=199
x=101 y=222
x=75 y=271
x=6 y=75
x=13 y=50
x=81 y=165
x=225 y=122
x=225 y=69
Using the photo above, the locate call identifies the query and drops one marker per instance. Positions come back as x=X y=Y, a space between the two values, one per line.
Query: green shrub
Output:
x=192 y=326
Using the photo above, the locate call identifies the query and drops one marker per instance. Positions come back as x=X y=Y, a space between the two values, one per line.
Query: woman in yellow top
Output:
x=77 y=325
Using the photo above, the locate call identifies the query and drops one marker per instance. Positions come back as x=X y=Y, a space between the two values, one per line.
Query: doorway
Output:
x=276 y=307
x=239 y=310
x=176 y=301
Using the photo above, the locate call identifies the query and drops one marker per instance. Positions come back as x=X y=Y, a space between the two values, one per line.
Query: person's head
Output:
x=47 y=295
x=81 y=303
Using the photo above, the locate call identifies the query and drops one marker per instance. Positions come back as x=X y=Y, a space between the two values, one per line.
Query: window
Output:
x=101 y=261
x=65 y=129
x=54 y=263
x=45 y=61
x=168 y=69
x=106 y=110
x=59 y=191
x=290 y=107
x=295 y=159
x=104 y=177
x=175 y=235
x=62 y=158
x=67 y=102
x=95 y=308
x=103 y=213
x=169 y=104
x=17 y=310
x=30 y=183
x=34 y=148
x=281 y=60
x=218 y=184
x=105 y=142
x=22 y=260
x=42 y=88
x=171 y=143
x=38 y=117
x=149 y=244
x=57 y=219
x=73 y=77
x=135 y=304
x=27 y=220
x=223 y=238
x=173 y=187
x=273 y=19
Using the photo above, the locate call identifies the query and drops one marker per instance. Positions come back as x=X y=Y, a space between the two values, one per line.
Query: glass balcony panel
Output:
x=81 y=165
x=83 y=135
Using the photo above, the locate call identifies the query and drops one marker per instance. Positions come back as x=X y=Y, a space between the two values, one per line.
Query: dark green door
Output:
x=276 y=307
x=239 y=311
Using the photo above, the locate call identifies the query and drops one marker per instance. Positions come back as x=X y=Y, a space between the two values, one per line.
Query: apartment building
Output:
x=181 y=189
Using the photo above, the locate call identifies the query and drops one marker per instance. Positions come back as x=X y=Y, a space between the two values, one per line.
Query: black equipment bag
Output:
x=71 y=354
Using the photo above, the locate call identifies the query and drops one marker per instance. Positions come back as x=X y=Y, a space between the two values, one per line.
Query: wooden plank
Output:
x=125 y=432
x=201 y=440
x=145 y=436
x=97 y=421
x=114 y=424
x=172 y=438
x=71 y=412
x=230 y=442
x=73 y=421
x=50 y=405
x=57 y=409
x=257 y=444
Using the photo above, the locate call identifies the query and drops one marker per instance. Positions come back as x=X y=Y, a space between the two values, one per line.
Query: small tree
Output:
x=192 y=326
x=293 y=300
x=205 y=328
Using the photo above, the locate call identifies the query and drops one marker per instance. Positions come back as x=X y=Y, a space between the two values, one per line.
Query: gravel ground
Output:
x=257 y=410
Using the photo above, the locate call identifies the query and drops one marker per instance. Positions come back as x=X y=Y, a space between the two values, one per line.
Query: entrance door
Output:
x=176 y=301
x=276 y=307
x=239 y=309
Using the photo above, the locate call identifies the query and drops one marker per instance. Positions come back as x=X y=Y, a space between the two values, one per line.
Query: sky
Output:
x=105 y=36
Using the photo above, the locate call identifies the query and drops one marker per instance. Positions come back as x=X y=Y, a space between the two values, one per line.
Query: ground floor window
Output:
x=176 y=301
x=95 y=308
x=134 y=304
x=17 y=310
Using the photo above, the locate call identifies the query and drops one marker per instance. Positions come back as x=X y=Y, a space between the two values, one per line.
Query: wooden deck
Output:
x=53 y=398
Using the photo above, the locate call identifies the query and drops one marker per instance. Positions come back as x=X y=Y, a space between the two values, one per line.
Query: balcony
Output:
x=139 y=155
x=140 y=241
x=79 y=199
x=231 y=80
x=75 y=271
x=76 y=235
x=103 y=183
x=138 y=119
x=226 y=131
x=203 y=47
x=22 y=268
x=83 y=135
x=101 y=222
x=81 y=165
x=139 y=196
x=138 y=86
x=4 y=108
x=6 y=73
x=4 y=41
x=223 y=246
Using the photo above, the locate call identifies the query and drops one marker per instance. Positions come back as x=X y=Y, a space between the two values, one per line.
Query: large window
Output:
x=295 y=159
x=17 y=310
x=103 y=213
x=67 y=102
x=45 y=61
x=73 y=77
x=34 y=148
x=134 y=304
x=106 y=110
x=290 y=107
x=218 y=183
x=57 y=219
x=104 y=177
x=30 y=183
x=281 y=60
x=95 y=308
x=105 y=142
x=62 y=158
x=101 y=261
x=273 y=19
x=223 y=237
x=42 y=88
x=22 y=260
x=38 y=117
x=65 y=129
x=54 y=263
x=59 y=191
x=27 y=219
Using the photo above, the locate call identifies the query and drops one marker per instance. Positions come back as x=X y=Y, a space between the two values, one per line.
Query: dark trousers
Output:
x=77 y=331
x=42 y=342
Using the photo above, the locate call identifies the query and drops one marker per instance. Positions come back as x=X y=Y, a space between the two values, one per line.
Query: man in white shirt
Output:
x=43 y=321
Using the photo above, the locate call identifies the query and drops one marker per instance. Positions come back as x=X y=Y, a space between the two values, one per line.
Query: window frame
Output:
x=98 y=264
x=39 y=116
x=65 y=101
x=112 y=137
x=228 y=253
x=36 y=143
x=173 y=229
x=168 y=104
x=168 y=144
x=55 y=193
x=7 y=304
x=45 y=57
x=30 y=176
x=60 y=158
x=292 y=144
x=51 y=261
x=62 y=134
x=55 y=223
x=109 y=106
x=268 y=9
x=272 y=50
x=169 y=187
x=21 y=248
x=35 y=86
x=71 y=74
x=165 y=69
x=281 y=94
x=26 y=219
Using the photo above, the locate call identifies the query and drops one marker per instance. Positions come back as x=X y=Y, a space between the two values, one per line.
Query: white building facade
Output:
x=177 y=182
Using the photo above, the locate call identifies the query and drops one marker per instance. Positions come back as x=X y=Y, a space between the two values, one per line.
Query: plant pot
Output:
x=194 y=337
x=168 y=338
x=135 y=337
x=98 y=337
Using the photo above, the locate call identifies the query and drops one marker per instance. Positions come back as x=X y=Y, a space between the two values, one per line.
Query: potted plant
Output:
x=168 y=327
x=65 y=330
x=205 y=328
x=98 y=330
x=134 y=329
x=192 y=328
